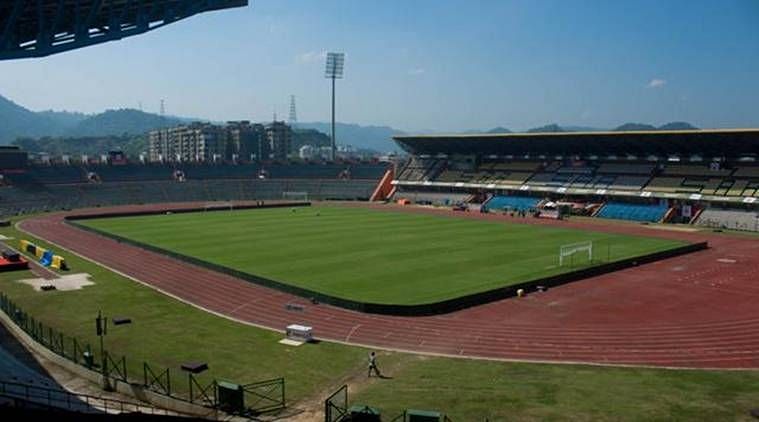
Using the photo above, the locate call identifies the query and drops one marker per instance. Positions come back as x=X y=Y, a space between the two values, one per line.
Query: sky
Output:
x=425 y=65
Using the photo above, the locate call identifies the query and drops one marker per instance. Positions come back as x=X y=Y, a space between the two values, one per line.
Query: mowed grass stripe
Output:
x=370 y=255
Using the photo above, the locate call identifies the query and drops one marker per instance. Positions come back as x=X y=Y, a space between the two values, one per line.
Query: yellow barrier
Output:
x=58 y=261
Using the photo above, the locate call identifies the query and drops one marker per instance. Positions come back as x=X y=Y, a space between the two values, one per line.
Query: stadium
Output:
x=567 y=275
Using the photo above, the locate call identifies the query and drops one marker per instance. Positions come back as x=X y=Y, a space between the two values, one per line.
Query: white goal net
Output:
x=295 y=196
x=221 y=205
x=567 y=252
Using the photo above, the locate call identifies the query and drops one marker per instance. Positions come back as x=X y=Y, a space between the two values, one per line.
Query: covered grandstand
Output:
x=651 y=176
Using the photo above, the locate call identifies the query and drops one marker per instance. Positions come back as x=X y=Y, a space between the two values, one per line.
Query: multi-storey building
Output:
x=245 y=141
x=238 y=140
x=279 y=138
x=194 y=142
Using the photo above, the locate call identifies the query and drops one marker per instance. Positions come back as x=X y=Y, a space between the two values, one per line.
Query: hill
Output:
x=634 y=126
x=18 y=121
x=677 y=126
x=120 y=122
x=132 y=145
x=547 y=129
x=498 y=129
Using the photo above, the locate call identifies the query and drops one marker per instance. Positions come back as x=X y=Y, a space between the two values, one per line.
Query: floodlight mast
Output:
x=334 y=70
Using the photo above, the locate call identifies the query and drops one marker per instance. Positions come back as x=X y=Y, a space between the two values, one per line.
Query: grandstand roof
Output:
x=706 y=142
x=43 y=27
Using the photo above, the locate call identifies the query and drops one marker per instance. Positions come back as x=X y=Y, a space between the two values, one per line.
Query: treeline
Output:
x=131 y=145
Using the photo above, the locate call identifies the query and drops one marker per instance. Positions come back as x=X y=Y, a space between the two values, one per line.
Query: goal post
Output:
x=221 y=205
x=295 y=196
x=568 y=251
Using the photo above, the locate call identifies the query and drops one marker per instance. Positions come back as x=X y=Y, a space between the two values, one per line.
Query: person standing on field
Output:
x=373 y=365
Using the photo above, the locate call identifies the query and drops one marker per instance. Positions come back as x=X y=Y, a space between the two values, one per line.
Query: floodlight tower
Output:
x=334 y=70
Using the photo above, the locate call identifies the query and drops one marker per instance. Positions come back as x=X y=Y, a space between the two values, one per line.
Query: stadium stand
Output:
x=129 y=172
x=729 y=219
x=516 y=203
x=42 y=188
x=432 y=198
x=623 y=211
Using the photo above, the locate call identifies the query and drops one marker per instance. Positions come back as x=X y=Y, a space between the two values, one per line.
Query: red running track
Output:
x=693 y=311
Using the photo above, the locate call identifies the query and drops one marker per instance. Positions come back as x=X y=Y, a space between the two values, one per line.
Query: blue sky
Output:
x=426 y=64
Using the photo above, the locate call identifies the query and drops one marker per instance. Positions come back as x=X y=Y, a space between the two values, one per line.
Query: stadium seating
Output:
x=625 y=168
x=671 y=184
x=518 y=203
x=141 y=184
x=622 y=211
x=131 y=172
x=752 y=172
x=694 y=170
x=729 y=219
x=432 y=198
x=419 y=169
x=49 y=175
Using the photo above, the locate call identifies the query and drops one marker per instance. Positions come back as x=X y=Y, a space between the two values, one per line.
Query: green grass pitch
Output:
x=374 y=255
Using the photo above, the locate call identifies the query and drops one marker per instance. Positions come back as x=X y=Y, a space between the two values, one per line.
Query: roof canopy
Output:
x=710 y=143
x=43 y=27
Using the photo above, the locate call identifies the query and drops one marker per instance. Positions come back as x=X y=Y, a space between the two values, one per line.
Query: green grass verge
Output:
x=167 y=332
x=476 y=390
x=374 y=256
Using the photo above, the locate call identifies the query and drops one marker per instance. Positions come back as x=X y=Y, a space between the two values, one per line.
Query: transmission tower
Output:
x=293 y=118
x=163 y=108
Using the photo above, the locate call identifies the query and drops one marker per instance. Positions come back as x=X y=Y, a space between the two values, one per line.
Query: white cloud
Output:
x=311 y=57
x=656 y=83
x=416 y=71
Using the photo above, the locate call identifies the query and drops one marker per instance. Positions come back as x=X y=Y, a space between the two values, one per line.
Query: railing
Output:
x=82 y=403
x=264 y=396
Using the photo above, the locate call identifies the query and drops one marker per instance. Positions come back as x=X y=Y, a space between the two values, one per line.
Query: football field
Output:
x=376 y=256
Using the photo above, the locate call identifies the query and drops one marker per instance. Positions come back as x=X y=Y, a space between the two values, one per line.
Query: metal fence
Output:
x=261 y=397
x=336 y=405
x=62 y=399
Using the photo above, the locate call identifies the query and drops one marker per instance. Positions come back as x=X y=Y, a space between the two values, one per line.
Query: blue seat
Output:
x=633 y=212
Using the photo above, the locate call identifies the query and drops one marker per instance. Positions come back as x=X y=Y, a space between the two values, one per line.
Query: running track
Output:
x=694 y=311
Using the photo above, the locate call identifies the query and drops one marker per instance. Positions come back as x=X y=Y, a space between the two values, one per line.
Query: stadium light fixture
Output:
x=334 y=70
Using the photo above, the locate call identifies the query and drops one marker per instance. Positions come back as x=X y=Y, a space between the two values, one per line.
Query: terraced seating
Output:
x=450 y=176
x=729 y=219
x=552 y=179
x=747 y=172
x=633 y=212
x=670 y=184
x=368 y=171
x=220 y=171
x=576 y=169
x=49 y=175
x=518 y=166
x=694 y=170
x=510 y=178
x=418 y=168
x=541 y=178
x=131 y=172
x=519 y=203
x=625 y=168
x=737 y=189
x=306 y=171
x=433 y=198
